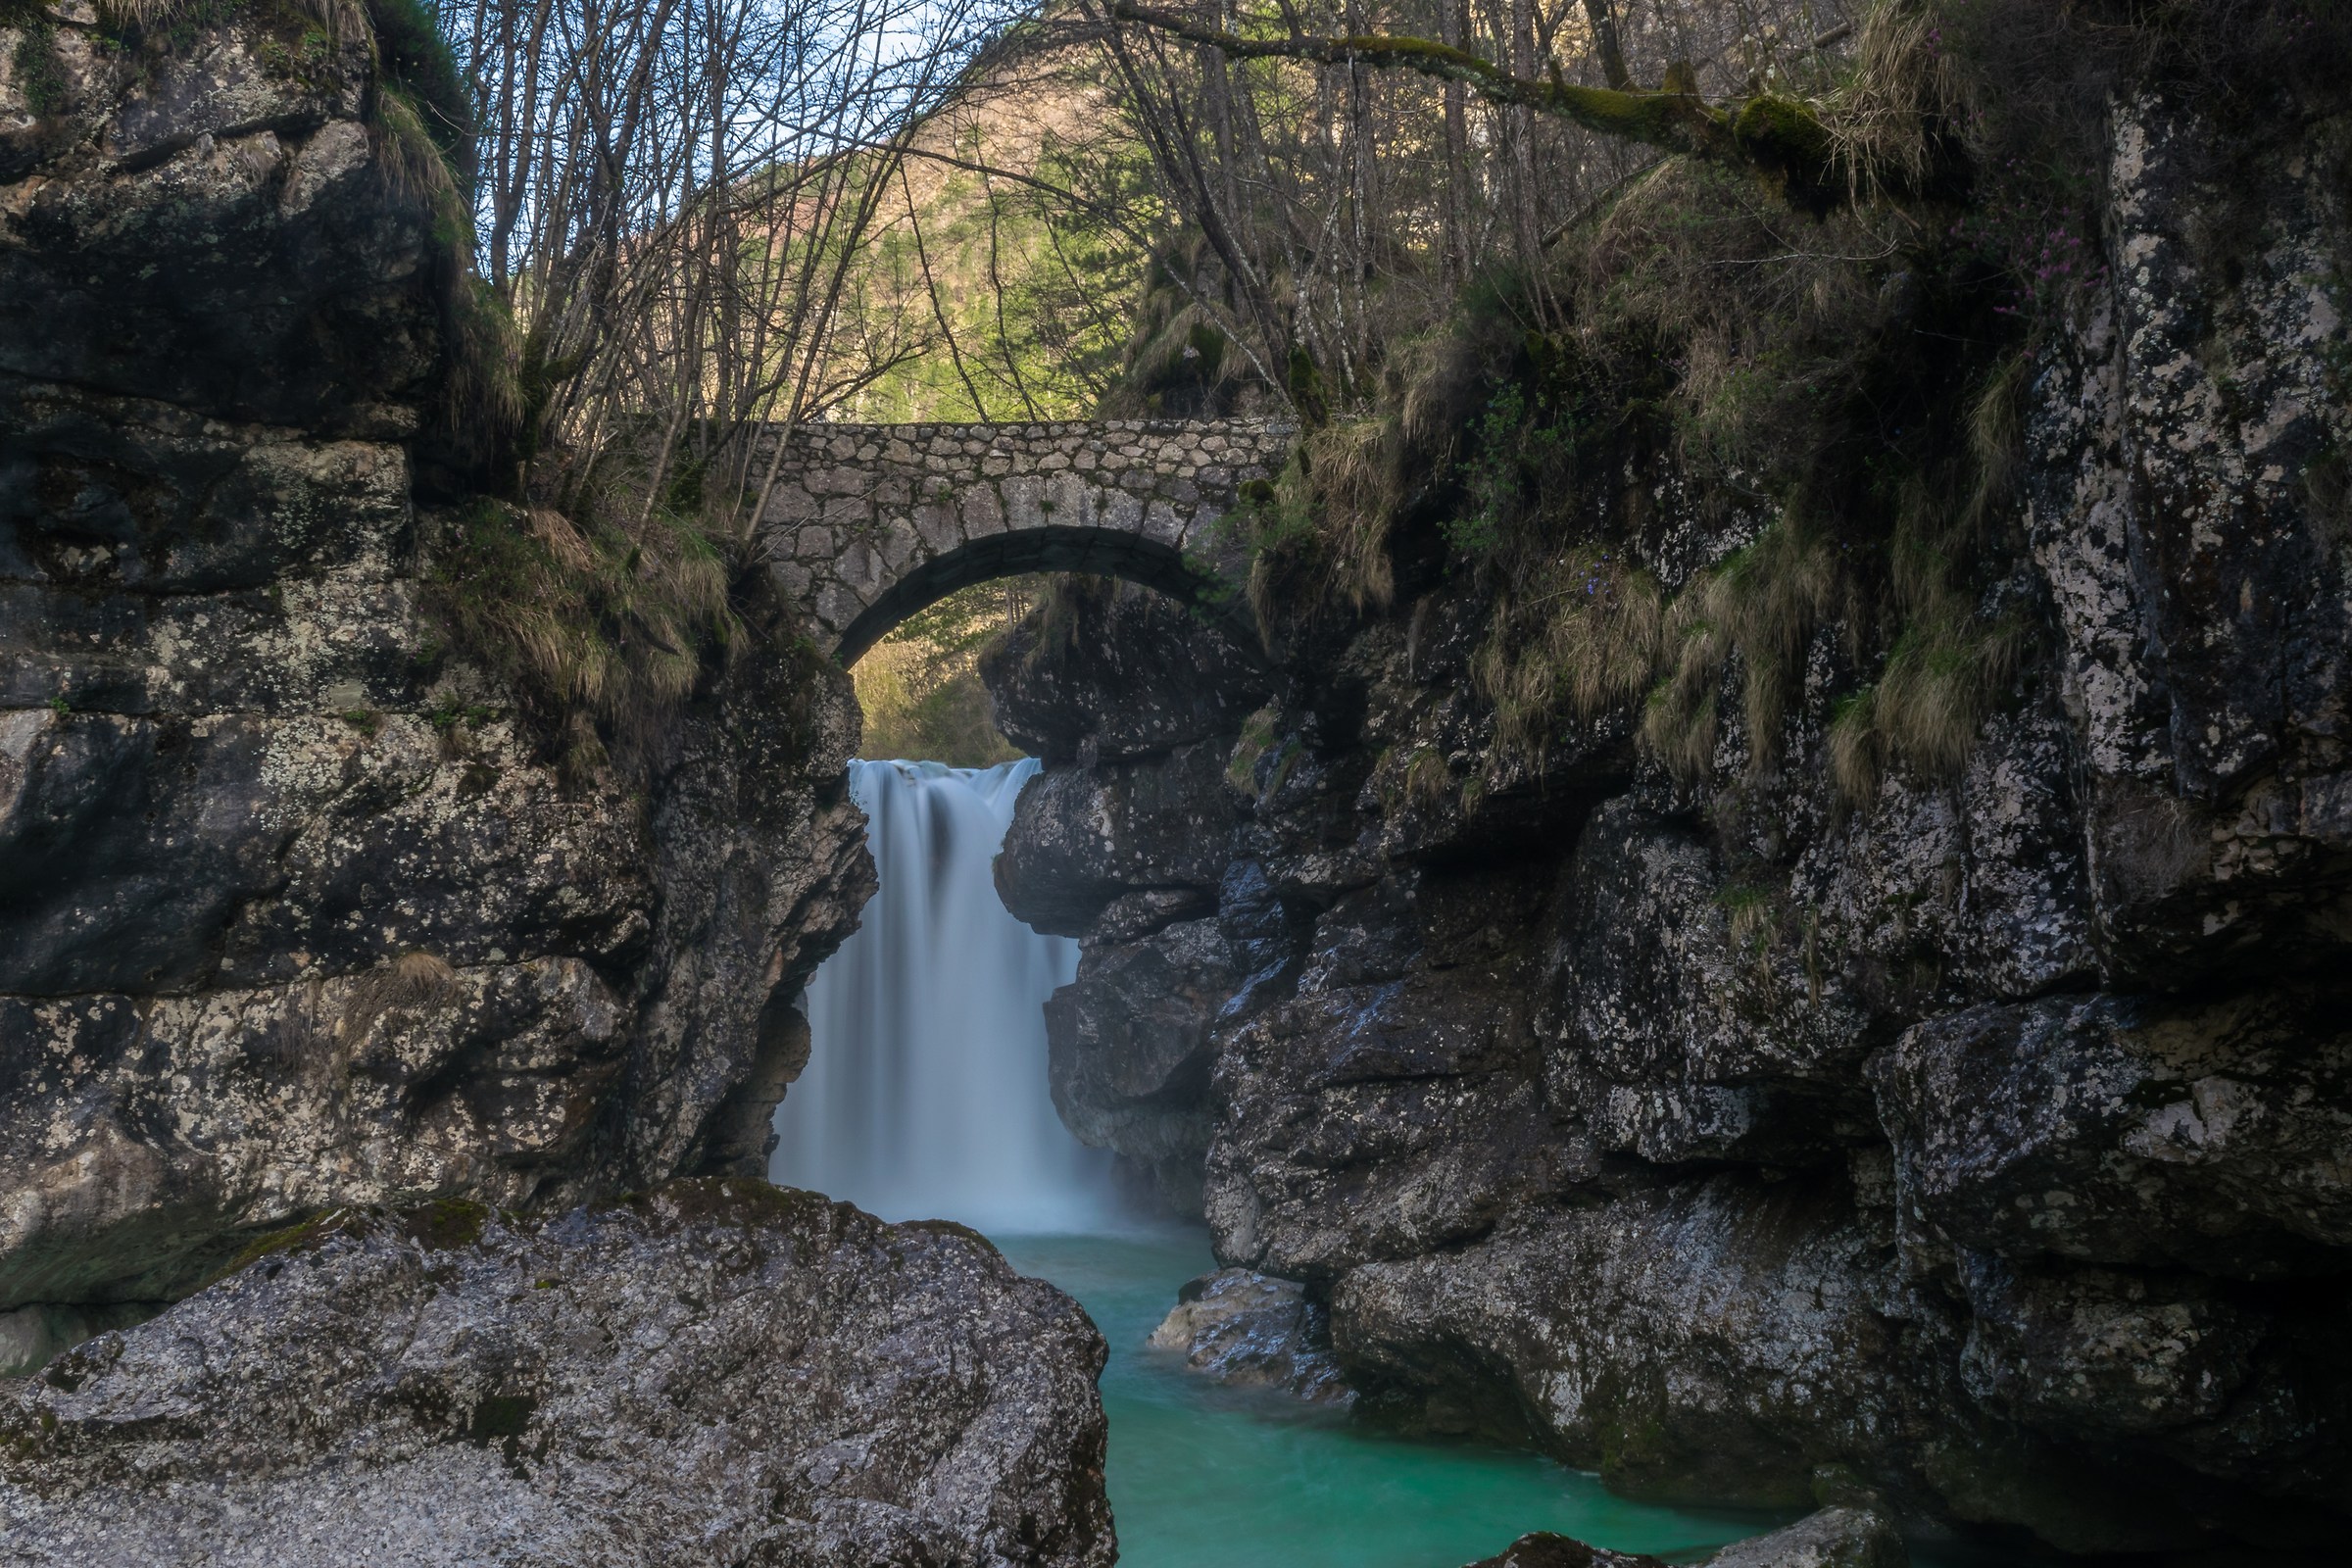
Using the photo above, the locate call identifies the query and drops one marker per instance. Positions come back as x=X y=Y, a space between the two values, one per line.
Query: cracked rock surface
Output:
x=720 y=1370
x=1982 y=1131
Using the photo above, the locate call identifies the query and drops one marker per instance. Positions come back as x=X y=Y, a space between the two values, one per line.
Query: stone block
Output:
x=1070 y=502
x=1024 y=499
x=983 y=511
x=789 y=503
x=936 y=525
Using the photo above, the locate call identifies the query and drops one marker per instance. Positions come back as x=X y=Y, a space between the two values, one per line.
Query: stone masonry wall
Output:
x=865 y=523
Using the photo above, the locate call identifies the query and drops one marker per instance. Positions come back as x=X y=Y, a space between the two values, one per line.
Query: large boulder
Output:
x=743 y=1373
x=1082 y=839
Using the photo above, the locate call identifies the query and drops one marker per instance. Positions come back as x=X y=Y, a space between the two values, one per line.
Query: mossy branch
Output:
x=1778 y=139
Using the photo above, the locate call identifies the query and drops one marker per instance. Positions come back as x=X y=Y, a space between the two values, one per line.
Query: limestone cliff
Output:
x=295 y=908
x=1713 y=1120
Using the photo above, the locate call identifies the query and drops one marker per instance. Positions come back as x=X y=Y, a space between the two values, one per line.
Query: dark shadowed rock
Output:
x=1118 y=672
x=1543 y=1549
x=2125 y=1130
x=723 y=1369
x=1834 y=1537
x=1129 y=1051
x=1081 y=840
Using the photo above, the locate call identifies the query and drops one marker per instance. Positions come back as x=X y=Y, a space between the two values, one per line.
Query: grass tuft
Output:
x=606 y=633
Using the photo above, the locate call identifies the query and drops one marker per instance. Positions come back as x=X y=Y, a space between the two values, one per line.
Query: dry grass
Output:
x=1426 y=780
x=1762 y=606
x=607 y=632
x=1903 y=96
x=412 y=983
x=1581 y=636
x=1356 y=487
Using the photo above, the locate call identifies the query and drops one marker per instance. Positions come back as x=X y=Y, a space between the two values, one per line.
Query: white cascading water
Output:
x=925 y=1093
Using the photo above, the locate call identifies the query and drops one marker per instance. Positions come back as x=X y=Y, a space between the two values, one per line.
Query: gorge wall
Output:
x=296 y=908
x=1979 y=1135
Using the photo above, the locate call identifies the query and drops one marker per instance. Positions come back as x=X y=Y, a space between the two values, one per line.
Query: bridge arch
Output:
x=1102 y=552
x=866 y=524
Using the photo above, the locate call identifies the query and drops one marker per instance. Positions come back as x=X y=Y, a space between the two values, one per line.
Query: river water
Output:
x=925 y=1097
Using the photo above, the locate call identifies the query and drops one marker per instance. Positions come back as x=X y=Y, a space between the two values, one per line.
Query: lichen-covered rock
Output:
x=1081 y=840
x=1545 y=1549
x=1979 y=1127
x=1252 y=1331
x=1394 y=1102
x=202 y=220
x=2129 y=1130
x=1834 y=1537
x=1685 y=1026
x=772 y=1378
x=294 y=908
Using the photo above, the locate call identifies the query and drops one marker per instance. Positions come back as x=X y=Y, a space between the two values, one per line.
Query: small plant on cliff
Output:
x=40 y=77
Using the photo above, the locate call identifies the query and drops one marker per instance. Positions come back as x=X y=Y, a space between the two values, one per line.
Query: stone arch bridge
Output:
x=868 y=524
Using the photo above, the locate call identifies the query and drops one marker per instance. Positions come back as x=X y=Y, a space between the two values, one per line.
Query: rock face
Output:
x=776 y=1379
x=1983 y=1133
x=294 y=910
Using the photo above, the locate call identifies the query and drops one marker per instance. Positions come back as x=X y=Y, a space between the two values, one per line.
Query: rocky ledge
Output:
x=720 y=1371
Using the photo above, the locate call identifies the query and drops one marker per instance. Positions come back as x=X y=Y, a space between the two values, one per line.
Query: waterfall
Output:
x=925 y=1093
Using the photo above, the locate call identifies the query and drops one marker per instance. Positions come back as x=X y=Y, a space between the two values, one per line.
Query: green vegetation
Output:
x=39 y=75
x=919 y=688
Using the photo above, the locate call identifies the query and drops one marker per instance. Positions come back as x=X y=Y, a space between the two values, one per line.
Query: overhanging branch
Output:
x=1777 y=140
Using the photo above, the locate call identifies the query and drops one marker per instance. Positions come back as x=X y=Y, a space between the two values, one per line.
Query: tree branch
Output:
x=1780 y=140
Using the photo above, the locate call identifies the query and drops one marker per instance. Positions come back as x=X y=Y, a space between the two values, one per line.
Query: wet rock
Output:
x=778 y=1379
x=1251 y=1331
x=1710 y=1340
x=1129 y=1051
x=1834 y=1537
x=1543 y=1549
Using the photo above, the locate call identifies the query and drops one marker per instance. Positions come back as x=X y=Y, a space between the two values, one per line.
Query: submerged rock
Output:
x=1251 y=1331
x=1834 y=1537
x=721 y=1371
